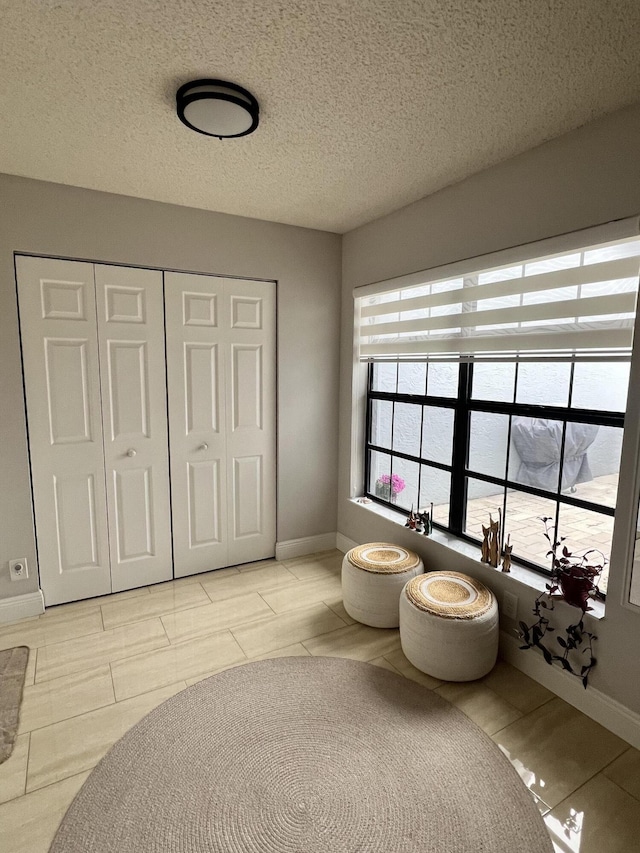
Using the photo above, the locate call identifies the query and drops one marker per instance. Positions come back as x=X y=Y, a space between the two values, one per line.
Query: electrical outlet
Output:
x=510 y=605
x=18 y=569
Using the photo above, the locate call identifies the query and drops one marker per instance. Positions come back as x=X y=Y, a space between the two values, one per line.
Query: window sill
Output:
x=518 y=573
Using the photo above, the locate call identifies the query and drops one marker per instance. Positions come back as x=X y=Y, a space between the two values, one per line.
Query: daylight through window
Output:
x=506 y=389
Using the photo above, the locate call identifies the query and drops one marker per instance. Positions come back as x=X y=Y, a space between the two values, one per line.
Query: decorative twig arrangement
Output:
x=574 y=580
x=491 y=542
x=506 y=555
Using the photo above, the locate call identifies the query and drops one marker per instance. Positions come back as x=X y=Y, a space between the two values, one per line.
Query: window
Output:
x=504 y=389
x=471 y=455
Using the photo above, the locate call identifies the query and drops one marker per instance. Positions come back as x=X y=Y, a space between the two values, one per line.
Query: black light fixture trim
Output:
x=205 y=89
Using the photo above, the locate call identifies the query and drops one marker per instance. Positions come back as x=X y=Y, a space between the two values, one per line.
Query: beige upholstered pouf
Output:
x=449 y=626
x=373 y=576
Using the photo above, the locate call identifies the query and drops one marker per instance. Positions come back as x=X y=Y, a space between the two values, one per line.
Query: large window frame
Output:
x=463 y=406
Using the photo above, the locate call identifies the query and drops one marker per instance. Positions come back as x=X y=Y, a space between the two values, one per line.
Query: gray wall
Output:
x=585 y=178
x=51 y=219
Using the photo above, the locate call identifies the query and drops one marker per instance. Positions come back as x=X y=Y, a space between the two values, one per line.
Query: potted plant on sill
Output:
x=389 y=486
x=574 y=578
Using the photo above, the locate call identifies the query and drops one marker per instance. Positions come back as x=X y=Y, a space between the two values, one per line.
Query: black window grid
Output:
x=463 y=405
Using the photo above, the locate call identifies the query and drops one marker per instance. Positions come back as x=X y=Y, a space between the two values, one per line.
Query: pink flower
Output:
x=396 y=481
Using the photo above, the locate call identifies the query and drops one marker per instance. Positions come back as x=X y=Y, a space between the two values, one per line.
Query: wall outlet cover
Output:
x=18 y=569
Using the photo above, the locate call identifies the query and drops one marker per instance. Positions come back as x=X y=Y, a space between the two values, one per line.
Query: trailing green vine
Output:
x=574 y=580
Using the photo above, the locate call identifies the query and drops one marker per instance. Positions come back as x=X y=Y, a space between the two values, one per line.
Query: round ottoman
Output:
x=373 y=576
x=449 y=626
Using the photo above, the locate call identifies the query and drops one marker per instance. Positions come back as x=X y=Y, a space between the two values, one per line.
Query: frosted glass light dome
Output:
x=217 y=108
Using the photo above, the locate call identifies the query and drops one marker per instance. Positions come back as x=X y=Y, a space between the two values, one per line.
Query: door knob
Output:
x=204 y=446
x=131 y=452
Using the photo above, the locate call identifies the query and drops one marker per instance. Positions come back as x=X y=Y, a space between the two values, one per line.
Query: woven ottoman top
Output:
x=449 y=594
x=382 y=558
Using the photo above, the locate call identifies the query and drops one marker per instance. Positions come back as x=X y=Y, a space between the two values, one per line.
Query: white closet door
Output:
x=132 y=365
x=221 y=384
x=60 y=358
x=250 y=312
x=195 y=375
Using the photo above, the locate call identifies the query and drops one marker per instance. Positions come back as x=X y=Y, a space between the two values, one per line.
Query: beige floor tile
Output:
x=30 y=674
x=43 y=632
x=518 y=689
x=260 y=564
x=155 y=604
x=336 y=604
x=480 y=704
x=203 y=676
x=191 y=579
x=359 y=642
x=72 y=746
x=318 y=555
x=28 y=824
x=152 y=670
x=555 y=749
x=400 y=662
x=68 y=612
x=543 y=808
x=222 y=587
x=13 y=772
x=18 y=623
x=597 y=818
x=296 y=650
x=75 y=607
x=115 y=644
x=625 y=772
x=50 y=702
x=303 y=593
x=286 y=628
x=212 y=618
x=383 y=663
x=305 y=568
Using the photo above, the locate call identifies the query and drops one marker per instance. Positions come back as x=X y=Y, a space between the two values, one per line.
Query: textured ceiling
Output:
x=366 y=105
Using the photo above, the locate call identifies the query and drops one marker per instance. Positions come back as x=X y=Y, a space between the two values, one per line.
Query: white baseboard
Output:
x=307 y=545
x=344 y=544
x=21 y=606
x=614 y=716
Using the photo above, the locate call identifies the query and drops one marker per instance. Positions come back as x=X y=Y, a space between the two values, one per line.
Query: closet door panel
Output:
x=132 y=359
x=250 y=307
x=60 y=362
x=247 y=497
x=196 y=365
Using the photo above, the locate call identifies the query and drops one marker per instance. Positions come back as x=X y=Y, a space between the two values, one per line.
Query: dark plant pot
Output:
x=576 y=588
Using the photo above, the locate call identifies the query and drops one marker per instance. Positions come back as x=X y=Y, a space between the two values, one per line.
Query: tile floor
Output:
x=96 y=667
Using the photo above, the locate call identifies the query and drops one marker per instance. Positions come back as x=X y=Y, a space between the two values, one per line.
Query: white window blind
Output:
x=563 y=303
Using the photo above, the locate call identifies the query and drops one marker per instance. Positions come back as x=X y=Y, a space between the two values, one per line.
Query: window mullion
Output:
x=367 y=454
x=460 y=450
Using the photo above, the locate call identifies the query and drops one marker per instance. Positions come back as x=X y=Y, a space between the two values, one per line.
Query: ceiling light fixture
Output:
x=217 y=108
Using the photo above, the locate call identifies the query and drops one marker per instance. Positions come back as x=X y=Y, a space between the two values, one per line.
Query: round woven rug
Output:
x=304 y=755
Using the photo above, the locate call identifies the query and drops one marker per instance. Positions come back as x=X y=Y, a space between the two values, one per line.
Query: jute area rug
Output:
x=13 y=666
x=304 y=755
